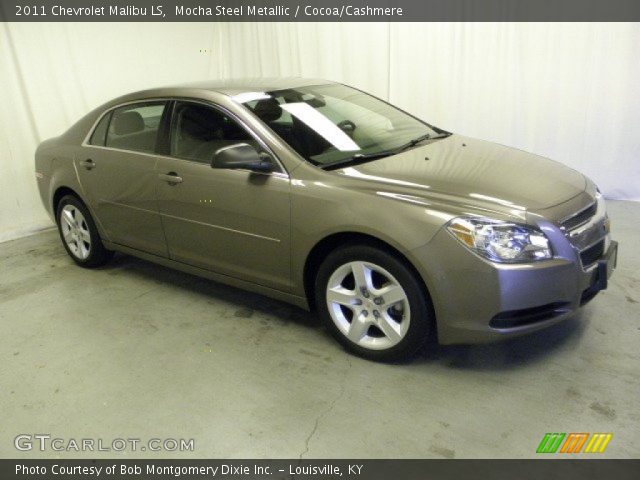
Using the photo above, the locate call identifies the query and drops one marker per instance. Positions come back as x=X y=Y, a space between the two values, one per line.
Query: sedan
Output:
x=321 y=195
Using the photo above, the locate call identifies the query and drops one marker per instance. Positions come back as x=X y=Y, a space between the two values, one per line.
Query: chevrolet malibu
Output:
x=318 y=194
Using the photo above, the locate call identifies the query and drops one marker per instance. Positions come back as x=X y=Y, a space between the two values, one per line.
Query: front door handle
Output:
x=171 y=178
x=88 y=164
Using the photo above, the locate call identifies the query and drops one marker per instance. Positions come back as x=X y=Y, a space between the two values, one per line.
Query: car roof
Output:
x=235 y=86
x=228 y=87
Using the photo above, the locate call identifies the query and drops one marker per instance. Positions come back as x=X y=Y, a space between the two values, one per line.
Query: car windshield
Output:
x=334 y=124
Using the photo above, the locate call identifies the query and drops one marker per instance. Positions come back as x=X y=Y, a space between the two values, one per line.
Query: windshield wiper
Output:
x=421 y=138
x=413 y=142
x=359 y=157
x=363 y=157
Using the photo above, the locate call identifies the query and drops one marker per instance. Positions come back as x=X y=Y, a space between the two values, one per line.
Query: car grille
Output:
x=586 y=231
x=591 y=255
x=579 y=218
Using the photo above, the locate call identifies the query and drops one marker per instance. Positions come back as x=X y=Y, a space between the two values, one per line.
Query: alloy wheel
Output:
x=75 y=231
x=368 y=305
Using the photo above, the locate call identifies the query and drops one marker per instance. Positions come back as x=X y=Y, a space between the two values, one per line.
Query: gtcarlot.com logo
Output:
x=44 y=442
x=574 y=442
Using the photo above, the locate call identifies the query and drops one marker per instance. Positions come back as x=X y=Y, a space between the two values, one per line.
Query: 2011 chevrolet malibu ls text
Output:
x=326 y=197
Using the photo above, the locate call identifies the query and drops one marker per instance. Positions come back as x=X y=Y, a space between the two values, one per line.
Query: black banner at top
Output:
x=318 y=10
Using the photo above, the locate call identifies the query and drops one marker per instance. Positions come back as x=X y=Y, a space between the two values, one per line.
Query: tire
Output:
x=79 y=234
x=394 y=314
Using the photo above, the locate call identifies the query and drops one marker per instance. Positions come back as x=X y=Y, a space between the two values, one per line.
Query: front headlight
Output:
x=501 y=241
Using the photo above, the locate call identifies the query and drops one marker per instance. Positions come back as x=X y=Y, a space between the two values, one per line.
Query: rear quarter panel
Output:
x=56 y=169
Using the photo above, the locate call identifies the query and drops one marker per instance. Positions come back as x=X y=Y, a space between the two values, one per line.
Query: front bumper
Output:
x=479 y=301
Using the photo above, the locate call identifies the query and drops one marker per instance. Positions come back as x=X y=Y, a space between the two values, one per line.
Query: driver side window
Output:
x=198 y=131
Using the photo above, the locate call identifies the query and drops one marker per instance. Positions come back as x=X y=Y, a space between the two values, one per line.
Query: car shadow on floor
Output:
x=511 y=353
x=245 y=301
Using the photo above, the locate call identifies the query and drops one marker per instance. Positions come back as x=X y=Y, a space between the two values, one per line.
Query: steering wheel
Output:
x=347 y=126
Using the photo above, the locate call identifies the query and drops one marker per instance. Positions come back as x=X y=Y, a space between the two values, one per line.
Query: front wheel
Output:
x=373 y=304
x=79 y=234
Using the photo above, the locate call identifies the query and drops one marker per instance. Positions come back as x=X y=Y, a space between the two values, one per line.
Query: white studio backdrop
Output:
x=569 y=91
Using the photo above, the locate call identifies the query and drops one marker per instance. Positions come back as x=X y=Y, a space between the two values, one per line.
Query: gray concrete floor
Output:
x=135 y=350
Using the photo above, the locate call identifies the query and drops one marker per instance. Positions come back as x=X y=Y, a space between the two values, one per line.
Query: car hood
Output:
x=476 y=171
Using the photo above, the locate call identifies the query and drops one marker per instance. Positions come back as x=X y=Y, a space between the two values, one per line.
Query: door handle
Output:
x=88 y=164
x=171 y=178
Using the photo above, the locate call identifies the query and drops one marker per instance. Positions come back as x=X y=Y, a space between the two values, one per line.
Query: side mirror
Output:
x=242 y=156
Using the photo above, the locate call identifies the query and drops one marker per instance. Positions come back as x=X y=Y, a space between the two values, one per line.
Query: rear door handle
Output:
x=88 y=164
x=171 y=178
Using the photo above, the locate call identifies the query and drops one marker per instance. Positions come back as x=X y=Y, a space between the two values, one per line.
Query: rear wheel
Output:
x=373 y=304
x=79 y=234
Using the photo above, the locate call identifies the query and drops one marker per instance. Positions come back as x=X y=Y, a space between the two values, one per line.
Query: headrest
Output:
x=128 y=122
x=268 y=110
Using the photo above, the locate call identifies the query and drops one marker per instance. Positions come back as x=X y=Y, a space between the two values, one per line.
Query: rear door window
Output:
x=135 y=127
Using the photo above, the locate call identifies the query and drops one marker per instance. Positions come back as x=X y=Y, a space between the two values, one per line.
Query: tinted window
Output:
x=135 y=127
x=198 y=131
x=99 y=134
